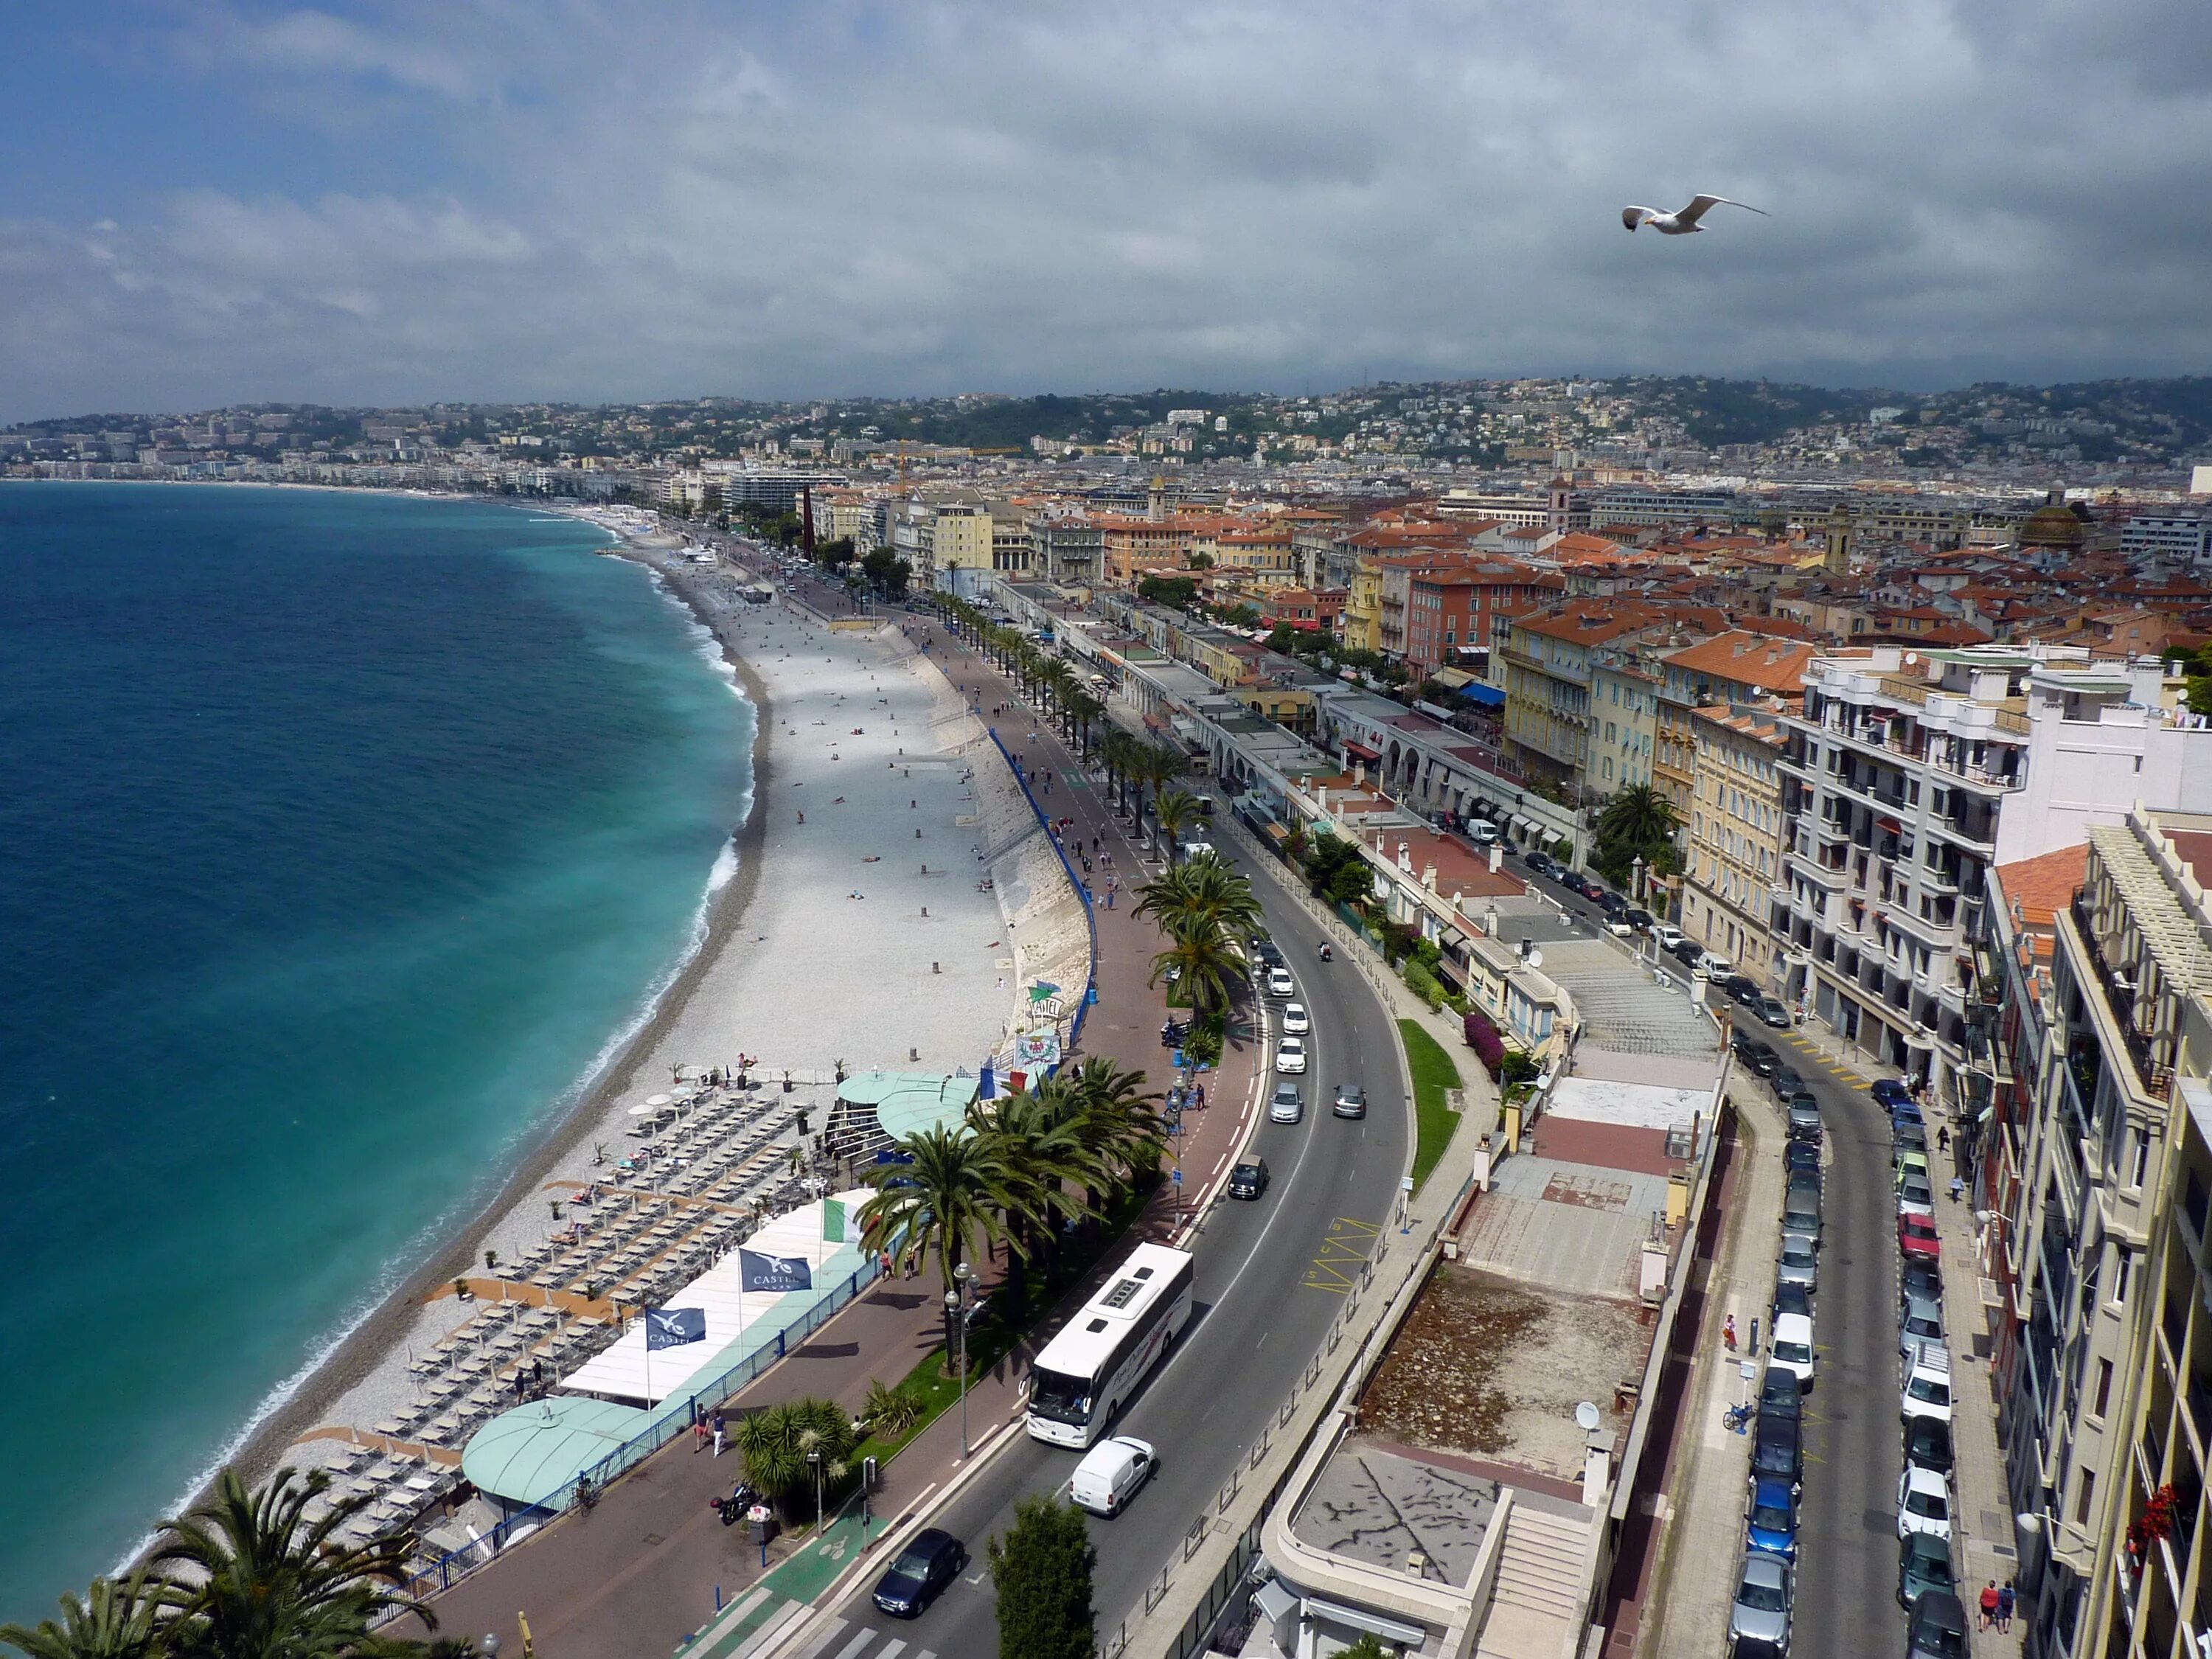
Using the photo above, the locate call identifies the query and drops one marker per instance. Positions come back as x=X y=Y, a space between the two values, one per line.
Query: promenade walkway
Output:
x=640 y=1572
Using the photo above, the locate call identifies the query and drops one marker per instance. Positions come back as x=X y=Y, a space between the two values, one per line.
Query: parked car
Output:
x=1802 y=1157
x=1785 y=1082
x=1916 y=1236
x=1937 y=1628
x=1741 y=987
x=1688 y=952
x=1927 y=1390
x=1296 y=1020
x=1590 y=887
x=1923 y=1505
x=1638 y=918
x=1909 y=1162
x=1789 y=1297
x=1805 y=1119
x=1542 y=864
x=1351 y=1101
x=1291 y=1056
x=1481 y=831
x=1777 y=1450
x=1265 y=952
x=1758 y=1057
x=1771 y=1525
x=1668 y=934
x=1892 y=1094
x=1800 y=1261
x=1922 y=1278
x=1801 y=1209
x=1249 y=1179
x=1763 y=1599
x=1927 y=1443
x=1790 y=1348
x=1612 y=902
x=1924 y=1564
x=1914 y=1196
x=1781 y=1392
x=1920 y=1322
x=1774 y=1011
x=1287 y=1105
x=922 y=1571
x=1907 y=1138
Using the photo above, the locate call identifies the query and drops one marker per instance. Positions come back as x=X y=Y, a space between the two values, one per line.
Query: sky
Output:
x=487 y=200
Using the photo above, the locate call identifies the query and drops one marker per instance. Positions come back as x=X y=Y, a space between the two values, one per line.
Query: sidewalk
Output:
x=1673 y=1596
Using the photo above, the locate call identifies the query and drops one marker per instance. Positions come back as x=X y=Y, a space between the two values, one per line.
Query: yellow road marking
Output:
x=1343 y=1252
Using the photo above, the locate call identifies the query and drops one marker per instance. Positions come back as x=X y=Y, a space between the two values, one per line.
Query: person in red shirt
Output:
x=1989 y=1604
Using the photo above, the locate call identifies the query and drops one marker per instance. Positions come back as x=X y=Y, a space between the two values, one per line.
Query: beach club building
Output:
x=752 y=1306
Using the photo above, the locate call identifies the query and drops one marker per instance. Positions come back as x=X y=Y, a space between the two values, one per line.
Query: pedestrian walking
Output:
x=1943 y=1139
x=698 y=1434
x=1202 y=1096
x=1990 y=1602
x=718 y=1431
x=2007 y=1599
x=1958 y=1188
x=1727 y=1332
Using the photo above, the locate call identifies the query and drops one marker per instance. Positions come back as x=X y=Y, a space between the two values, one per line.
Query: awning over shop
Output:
x=1488 y=696
x=1362 y=751
x=1454 y=678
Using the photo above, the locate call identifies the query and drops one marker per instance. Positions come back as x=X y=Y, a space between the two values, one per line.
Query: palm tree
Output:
x=1204 y=888
x=261 y=1581
x=1121 y=1122
x=1202 y=961
x=1157 y=766
x=129 y=1620
x=773 y=1444
x=1174 y=809
x=955 y=1191
x=1639 y=817
x=1083 y=709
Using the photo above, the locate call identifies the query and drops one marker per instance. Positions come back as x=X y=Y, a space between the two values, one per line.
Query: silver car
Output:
x=1762 y=1596
x=1287 y=1105
x=1800 y=1261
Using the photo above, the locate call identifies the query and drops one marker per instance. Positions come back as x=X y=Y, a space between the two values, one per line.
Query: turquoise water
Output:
x=339 y=836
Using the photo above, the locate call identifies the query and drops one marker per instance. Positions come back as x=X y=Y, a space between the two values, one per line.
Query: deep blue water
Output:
x=338 y=834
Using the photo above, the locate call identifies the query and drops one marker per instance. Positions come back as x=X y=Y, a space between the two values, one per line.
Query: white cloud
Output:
x=853 y=196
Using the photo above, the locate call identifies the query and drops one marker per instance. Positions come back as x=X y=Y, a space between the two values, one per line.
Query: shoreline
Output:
x=357 y=1355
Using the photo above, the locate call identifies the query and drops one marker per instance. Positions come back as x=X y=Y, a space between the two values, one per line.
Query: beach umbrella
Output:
x=658 y=1100
x=644 y=1108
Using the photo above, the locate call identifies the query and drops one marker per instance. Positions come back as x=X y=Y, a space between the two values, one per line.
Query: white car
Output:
x=1291 y=1056
x=1790 y=1347
x=1280 y=984
x=1294 y=1017
x=1923 y=1504
x=1668 y=934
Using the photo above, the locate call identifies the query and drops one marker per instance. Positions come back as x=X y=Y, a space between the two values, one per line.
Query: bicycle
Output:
x=1737 y=1418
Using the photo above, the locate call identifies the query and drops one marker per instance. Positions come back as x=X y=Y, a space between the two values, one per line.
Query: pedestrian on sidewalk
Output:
x=1943 y=1139
x=718 y=1431
x=1990 y=1601
x=1958 y=1188
x=698 y=1434
x=1727 y=1332
x=2006 y=1599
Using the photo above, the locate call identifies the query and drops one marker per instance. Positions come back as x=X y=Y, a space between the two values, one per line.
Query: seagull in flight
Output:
x=1684 y=222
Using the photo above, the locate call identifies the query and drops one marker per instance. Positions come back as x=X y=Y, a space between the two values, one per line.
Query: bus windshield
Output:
x=1063 y=1398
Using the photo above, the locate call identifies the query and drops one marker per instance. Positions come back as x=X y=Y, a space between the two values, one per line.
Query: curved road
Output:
x=1270 y=1281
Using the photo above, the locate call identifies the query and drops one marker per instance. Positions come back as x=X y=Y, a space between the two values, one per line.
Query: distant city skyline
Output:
x=385 y=205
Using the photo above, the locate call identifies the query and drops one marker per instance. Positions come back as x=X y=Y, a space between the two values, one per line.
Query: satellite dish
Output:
x=1911 y=657
x=1586 y=1414
x=1536 y=959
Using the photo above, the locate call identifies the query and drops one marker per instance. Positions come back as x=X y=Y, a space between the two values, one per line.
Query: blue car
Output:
x=1894 y=1097
x=1773 y=1523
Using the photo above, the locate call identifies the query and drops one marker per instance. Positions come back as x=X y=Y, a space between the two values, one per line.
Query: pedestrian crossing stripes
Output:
x=845 y=1640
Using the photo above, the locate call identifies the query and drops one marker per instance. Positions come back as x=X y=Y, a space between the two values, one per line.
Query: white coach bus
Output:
x=1100 y=1356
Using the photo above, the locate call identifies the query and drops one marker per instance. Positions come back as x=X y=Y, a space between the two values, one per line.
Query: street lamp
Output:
x=815 y=1458
x=956 y=1308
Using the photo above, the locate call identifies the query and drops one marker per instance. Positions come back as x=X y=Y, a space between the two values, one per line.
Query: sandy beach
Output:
x=857 y=929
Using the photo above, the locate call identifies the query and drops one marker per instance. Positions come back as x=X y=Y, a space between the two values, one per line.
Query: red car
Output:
x=1916 y=1236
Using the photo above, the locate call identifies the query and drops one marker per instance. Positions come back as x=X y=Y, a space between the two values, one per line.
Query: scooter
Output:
x=1328 y=955
x=734 y=1507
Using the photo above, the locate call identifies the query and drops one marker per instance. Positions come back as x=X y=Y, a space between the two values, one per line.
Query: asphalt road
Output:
x=1854 y=1448
x=1263 y=1303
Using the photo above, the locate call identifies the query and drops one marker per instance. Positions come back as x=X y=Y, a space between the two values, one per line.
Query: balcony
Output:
x=2156 y=1077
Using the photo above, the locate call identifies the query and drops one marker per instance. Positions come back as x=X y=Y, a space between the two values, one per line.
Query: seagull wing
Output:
x=1696 y=210
x=1634 y=216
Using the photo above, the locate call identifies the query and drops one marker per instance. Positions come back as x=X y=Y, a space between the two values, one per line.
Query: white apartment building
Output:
x=2183 y=534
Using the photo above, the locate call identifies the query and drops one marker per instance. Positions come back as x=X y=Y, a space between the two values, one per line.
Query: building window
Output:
x=2143 y=1158
x=2083 y=1498
x=2104 y=1386
x=2124 y=1267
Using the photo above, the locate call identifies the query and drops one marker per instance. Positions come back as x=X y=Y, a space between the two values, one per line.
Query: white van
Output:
x=1109 y=1474
x=1481 y=831
x=1790 y=1348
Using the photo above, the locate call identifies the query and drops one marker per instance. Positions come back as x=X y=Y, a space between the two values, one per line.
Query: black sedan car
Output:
x=1759 y=1058
x=1777 y=1450
x=922 y=1571
x=1249 y=1179
x=1792 y=1299
x=1927 y=1442
x=1804 y=1158
x=1780 y=1394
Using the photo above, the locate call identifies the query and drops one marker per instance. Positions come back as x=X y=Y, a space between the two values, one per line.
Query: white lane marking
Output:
x=897 y=1645
x=813 y=1648
x=851 y=1649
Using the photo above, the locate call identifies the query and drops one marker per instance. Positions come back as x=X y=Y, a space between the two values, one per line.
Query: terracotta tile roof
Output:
x=2043 y=885
x=1772 y=663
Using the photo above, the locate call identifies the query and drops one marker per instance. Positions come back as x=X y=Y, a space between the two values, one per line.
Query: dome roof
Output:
x=2050 y=527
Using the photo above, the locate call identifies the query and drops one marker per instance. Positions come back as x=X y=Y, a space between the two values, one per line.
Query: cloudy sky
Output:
x=202 y=203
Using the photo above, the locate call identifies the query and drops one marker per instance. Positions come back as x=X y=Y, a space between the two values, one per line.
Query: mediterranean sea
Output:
x=340 y=836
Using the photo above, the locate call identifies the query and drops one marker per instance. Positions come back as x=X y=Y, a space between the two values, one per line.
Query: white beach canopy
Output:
x=623 y=1371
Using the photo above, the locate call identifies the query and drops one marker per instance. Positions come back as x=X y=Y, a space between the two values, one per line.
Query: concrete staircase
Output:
x=1536 y=1607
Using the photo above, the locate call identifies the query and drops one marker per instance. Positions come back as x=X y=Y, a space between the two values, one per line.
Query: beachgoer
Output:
x=802 y=818
x=1990 y=1601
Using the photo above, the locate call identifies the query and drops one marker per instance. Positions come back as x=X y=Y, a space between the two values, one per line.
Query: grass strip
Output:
x=1433 y=1074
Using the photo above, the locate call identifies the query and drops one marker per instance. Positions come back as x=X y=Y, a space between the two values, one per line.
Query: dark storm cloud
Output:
x=568 y=202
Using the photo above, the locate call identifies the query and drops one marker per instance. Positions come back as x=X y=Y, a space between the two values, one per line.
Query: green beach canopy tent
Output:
x=531 y=1454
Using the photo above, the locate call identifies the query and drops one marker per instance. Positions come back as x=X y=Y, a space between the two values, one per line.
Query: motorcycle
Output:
x=1328 y=955
x=734 y=1507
